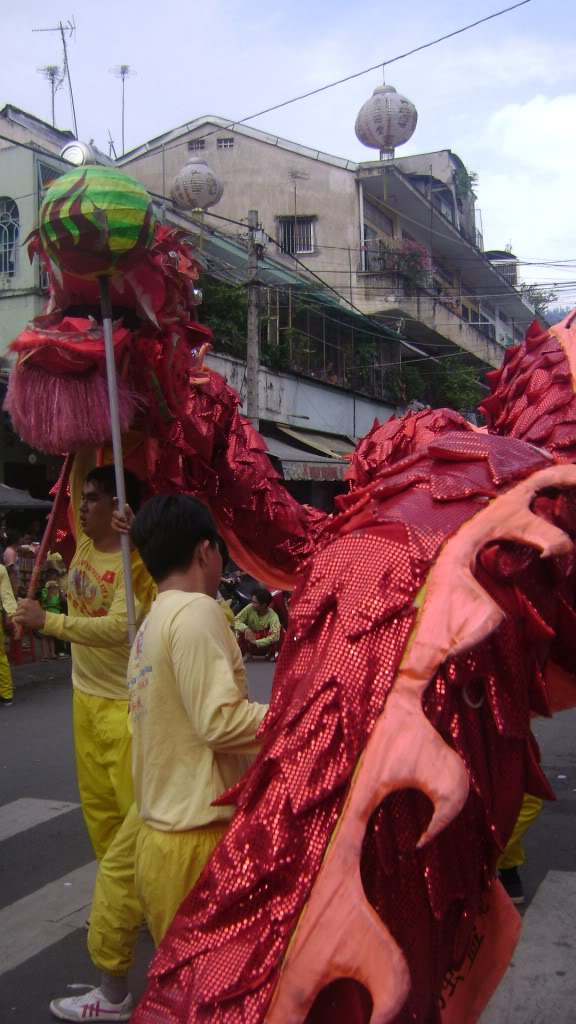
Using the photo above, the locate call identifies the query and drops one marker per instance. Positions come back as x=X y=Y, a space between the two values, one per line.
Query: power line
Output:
x=357 y=74
x=375 y=324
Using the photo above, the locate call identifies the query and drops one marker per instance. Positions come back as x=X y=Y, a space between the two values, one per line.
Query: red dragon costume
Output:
x=432 y=616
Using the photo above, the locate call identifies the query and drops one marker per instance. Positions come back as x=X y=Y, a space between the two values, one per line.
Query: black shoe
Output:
x=6 y=702
x=513 y=884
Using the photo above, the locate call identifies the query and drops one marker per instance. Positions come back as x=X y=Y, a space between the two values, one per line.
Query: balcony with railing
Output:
x=401 y=279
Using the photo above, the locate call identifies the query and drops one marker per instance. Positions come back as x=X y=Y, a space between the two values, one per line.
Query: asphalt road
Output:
x=46 y=862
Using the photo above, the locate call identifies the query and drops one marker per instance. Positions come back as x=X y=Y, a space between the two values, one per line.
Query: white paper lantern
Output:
x=386 y=120
x=196 y=187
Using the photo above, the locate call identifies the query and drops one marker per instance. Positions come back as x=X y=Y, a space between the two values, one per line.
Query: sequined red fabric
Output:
x=387 y=443
x=533 y=395
x=215 y=454
x=351 y=617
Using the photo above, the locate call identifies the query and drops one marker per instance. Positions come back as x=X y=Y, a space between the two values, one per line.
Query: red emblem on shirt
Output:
x=108 y=576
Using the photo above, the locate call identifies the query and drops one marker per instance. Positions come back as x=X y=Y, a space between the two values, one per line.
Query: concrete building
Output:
x=395 y=238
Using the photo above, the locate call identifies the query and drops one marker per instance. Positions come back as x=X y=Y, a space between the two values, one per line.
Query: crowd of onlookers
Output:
x=19 y=546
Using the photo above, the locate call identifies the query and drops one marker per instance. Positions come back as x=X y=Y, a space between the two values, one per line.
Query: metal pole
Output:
x=290 y=325
x=123 y=84
x=361 y=225
x=67 y=69
x=117 y=448
x=252 y=346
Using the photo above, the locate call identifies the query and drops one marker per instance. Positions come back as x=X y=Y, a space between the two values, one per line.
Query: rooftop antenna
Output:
x=123 y=71
x=64 y=29
x=295 y=176
x=55 y=75
x=111 y=146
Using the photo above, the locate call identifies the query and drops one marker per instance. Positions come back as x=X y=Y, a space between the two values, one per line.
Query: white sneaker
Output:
x=92 y=1006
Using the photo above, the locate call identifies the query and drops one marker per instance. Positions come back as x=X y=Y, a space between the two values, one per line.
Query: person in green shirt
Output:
x=51 y=601
x=258 y=627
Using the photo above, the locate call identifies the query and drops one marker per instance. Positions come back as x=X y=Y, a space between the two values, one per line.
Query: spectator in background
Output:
x=258 y=627
x=27 y=551
x=12 y=557
x=7 y=609
x=51 y=601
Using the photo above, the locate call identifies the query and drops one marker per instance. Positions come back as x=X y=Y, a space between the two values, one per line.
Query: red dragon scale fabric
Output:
x=432 y=617
x=236 y=952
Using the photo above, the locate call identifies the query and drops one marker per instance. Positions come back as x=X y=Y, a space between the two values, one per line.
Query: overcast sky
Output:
x=502 y=96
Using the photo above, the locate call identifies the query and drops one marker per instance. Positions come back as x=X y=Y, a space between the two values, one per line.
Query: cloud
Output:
x=513 y=62
x=525 y=155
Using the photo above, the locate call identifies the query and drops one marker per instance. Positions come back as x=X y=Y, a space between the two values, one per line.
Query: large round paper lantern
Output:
x=95 y=220
x=196 y=187
x=386 y=120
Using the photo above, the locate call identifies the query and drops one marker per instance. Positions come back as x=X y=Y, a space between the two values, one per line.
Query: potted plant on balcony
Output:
x=408 y=258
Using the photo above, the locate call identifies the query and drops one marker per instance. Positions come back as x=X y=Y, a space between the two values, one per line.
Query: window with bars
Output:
x=225 y=144
x=196 y=144
x=296 y=234
x=9 y=231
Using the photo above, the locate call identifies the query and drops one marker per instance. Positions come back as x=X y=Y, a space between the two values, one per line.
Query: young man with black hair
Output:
x=258 y=626
x=97 y=627
x=191 y=720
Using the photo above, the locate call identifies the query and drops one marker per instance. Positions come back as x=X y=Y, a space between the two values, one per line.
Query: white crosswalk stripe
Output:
x=42 y=918
x=28 y=812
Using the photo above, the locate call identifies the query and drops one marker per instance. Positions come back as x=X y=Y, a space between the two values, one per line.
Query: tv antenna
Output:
x=123 y=71
x=295 y=176
x=69 y=28
x=111 y=146
x=55 y=76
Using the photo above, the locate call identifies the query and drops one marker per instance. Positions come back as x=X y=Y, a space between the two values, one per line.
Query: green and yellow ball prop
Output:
x=95 y=220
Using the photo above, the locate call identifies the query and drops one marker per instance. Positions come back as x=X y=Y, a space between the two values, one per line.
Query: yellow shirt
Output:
x=7 y=599
x=97 y=621
x=191 y=721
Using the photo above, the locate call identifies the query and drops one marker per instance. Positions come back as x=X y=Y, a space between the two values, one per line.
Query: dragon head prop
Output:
x=98 y=222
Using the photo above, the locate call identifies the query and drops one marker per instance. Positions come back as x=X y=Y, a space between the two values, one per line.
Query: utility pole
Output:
x=252 y=340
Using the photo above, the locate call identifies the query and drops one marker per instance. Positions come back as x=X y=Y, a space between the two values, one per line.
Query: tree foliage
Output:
x=465 y=182
x=539 y=298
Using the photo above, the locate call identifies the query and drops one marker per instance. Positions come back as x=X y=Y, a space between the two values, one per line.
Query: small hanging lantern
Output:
x=196 y=187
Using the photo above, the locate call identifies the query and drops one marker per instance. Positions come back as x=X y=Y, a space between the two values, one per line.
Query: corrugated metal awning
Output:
x=297 y=465
x=333 y=445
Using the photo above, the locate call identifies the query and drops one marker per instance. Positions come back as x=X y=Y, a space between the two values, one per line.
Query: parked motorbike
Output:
x=237 y=588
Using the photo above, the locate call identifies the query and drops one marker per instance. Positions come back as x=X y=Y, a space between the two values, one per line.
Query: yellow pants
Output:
x=116 y=914
x=6 y=688
x=103 y=765
x=513 y=856
x=167 y=866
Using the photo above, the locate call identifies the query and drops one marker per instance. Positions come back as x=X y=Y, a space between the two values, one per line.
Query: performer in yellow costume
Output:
x=97 y=628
